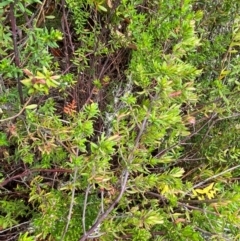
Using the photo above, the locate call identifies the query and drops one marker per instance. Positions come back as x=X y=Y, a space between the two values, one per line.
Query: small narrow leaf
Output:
x=30 y=107
x=102 y=8
x=50 y=17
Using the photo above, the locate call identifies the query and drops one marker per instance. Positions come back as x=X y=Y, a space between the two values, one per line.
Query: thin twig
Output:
x=16 y=226
x=234 y=115
x=162 y=152
x=16 y=53
x=19 y=113
x=69 y=35
x=64 y=26
x=25 y=173
x=125 y=175
x=183 y=203
x=210 y=178
x=111 y=207
x=197 y=208
x=84 y=208
x=71 y=203
x=40 y=18
x=29 y=171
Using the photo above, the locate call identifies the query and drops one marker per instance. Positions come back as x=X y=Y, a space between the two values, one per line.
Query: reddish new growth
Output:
x=70 y=109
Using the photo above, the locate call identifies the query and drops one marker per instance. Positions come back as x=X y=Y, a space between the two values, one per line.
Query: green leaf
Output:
x=3 y=139
x=30 y=107
x=27 y=82
x=102 y=8
x=5 y=3
x=50 y=17
x=177 y=172
x=20 y=5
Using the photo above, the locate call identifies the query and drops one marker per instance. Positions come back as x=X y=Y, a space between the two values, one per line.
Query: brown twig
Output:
x=109 y=210
x=70 y=211
x=28 y=171
x=125 y=175
x=210 y=179
x=16 y=53
x=162 y=152
x=5 y=182
x=197 y=208
x=65 y=26
x=183 y=203
x=19 y=113
x=85 y=207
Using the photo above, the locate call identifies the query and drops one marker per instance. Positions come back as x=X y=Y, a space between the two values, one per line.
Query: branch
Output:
x=16 y=226
x=26 y=172
x=162 y=152
x=125 y=175
x=109 y=210
x=71 y=204
x=19 y=113
x=85 y=207
x=210 y=178
x=63 y=23
x=16 y=54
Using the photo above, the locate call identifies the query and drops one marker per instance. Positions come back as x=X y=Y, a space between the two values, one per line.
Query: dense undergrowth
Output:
x=119 y=120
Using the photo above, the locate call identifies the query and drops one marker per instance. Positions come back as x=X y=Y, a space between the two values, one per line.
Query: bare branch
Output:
x=19 y=113
x=210 y=179
x=71 y=203
x=125 y=175
x=84 y=208
x=16 y=53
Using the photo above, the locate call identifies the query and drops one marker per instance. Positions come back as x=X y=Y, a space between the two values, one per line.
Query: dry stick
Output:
x=29 y=171
x=16 y=54
x=209 y=128
x=19 y=113
x=183 y=202
x=205 y=201
x=64 y=23
x=162 y=152
x=67 y=27
x=234 y=115
x=5 y=182
x=41 y=11
x=104 y=68
x=99 y=213
x=84 y=208
x=92 y=61
x=71 y=204
x=210 y=178
x=197 y=208
x=106 y=213
x=16 y=226
x=125 y=175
